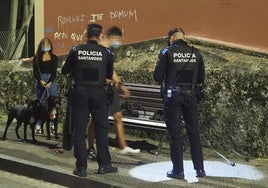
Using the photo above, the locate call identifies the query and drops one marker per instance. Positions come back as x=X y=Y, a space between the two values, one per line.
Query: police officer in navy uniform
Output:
x=180 y=68
x=90 y=65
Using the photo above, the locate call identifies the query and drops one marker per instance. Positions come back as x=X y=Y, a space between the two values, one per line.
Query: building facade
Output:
x=238 y=22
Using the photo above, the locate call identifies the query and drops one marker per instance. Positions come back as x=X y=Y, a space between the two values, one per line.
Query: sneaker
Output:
x=52 y=127
x=129 y=150
x=91 y=154
x=38 y=129
x=104 y=169
x=80 y=172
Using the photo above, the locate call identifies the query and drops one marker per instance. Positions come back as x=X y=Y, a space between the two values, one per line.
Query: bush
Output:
x=233 y=112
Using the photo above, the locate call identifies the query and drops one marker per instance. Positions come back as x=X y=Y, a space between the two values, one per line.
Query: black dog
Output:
x=50 y=113
x=26 y=115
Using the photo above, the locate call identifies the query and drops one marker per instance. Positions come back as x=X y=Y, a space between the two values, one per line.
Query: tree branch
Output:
x=28 y=13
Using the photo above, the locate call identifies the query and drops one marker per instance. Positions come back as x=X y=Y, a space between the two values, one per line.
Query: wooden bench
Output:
x=148 y=97
x=147 y=100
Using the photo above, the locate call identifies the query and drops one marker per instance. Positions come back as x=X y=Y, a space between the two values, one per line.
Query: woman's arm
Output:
x=36 y=72
x=28 y=59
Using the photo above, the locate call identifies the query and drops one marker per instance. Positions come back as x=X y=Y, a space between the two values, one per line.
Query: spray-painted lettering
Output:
x=62 y=20
x=124 y=14
x=49 y=29
x=58 y=35
x=77 y=37
x=96 y=17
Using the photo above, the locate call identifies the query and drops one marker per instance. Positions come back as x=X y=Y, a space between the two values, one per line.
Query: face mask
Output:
x=116 y=44
x=46 y=48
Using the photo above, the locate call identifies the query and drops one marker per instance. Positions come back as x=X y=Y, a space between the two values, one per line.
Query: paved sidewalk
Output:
x=11 y=180
x=142 y=170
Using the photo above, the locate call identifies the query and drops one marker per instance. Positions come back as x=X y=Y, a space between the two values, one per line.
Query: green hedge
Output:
x=233 y=112
x=234 y=109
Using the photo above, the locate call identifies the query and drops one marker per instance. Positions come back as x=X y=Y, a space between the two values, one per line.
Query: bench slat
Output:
x=142 y=123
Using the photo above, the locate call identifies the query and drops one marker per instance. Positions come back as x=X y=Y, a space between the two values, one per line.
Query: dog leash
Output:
x=43 y=95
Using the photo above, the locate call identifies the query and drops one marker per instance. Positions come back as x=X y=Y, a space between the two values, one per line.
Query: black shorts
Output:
x=115 y=106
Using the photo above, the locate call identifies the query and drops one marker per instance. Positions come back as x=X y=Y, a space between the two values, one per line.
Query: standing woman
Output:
x=45 y=65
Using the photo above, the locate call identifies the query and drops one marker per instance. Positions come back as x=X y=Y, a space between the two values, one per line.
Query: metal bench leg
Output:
x=160 y=144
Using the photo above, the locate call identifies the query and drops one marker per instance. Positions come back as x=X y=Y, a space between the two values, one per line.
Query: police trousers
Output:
x=178 y=106
x=90 y=100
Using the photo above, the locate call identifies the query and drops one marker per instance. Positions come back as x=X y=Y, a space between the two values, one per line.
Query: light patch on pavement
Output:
x=156 y=172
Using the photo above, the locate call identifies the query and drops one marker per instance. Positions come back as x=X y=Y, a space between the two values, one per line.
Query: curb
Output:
x=51 y=174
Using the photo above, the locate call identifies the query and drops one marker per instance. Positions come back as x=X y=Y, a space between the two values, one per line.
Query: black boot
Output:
x=104 y=169
x=82 y=172
x=172 y=174
x=200 y=173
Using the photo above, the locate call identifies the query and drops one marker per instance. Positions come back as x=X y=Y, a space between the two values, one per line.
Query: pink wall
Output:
x=242 y=22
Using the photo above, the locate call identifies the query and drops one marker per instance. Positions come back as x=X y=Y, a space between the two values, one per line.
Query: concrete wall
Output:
x=38 y=21
x=242 y=22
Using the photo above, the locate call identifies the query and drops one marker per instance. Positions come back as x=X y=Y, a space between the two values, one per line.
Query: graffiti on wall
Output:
x=71 y=30
x=221 y=20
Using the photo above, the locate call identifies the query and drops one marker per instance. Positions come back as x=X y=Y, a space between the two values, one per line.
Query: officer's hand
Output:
x=125 y=91
x=200 y=93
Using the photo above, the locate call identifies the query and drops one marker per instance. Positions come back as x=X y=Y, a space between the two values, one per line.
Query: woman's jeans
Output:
x=43 y=93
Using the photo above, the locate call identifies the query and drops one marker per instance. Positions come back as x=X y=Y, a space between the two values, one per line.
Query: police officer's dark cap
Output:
x=94 y=29
x=175 y=30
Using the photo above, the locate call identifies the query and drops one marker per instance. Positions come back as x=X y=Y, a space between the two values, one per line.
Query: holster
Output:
x=199 y=93
x=110 y=92
x=162 y=89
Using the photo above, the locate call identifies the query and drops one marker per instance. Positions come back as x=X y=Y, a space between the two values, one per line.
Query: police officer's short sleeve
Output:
x=69 y=61
x=109 y=72
x=159 y=72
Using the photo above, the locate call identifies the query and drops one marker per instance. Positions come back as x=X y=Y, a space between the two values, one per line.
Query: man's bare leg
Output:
x=90 y=140
x=120 y=131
